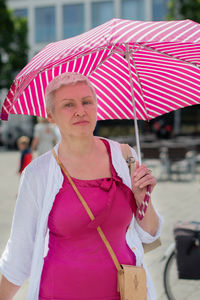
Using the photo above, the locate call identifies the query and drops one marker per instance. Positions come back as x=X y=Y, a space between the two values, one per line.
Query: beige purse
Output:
x=131 y=279
x=127 y=154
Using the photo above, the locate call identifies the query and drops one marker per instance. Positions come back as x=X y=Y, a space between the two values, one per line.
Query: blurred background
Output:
x=170 y=144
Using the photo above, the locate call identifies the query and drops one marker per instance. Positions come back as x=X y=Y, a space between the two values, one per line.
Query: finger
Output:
x=141 y=171
x=135 y=169
x=142 y=180
x=148 y=181
x=137 y=165
x=143 y=176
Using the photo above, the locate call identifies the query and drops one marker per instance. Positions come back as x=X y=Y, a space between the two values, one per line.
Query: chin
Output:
x=81 y=133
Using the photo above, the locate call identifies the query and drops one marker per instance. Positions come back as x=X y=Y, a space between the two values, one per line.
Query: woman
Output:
x=77 y=265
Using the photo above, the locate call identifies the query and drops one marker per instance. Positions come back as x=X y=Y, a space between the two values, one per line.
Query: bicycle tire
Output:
x=175 y=288
x=165 y=277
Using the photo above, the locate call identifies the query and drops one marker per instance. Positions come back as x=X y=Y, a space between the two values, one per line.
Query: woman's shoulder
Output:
x=116 y=147
x=112 y=143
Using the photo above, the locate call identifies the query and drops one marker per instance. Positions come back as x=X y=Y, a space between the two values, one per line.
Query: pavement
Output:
x=174 y=201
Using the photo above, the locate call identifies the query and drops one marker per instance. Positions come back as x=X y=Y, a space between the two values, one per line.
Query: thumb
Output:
x=137 y=164
x=135 y=169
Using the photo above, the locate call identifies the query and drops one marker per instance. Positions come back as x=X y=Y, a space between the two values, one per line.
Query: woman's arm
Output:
x=150 y=221
x=7 y=289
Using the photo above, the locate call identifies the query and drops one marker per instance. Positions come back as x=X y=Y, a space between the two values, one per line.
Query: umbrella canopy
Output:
x=156 y=62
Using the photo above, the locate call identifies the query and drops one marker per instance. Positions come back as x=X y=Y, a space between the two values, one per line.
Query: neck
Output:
x=76 y=146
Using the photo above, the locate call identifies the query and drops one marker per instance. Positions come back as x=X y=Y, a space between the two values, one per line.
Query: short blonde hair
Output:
x=69 y=78
x=24 y=140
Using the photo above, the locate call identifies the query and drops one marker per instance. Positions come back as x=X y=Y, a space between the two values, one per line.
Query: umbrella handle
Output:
x=144 y=204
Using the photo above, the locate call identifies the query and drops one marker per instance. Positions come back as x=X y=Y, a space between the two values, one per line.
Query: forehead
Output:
x=72 y=91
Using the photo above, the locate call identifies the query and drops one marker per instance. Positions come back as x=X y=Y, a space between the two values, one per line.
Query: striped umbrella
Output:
x=139 y=69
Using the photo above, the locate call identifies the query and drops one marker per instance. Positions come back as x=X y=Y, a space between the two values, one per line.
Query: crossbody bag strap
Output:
x=84 y=203
x=127 y=154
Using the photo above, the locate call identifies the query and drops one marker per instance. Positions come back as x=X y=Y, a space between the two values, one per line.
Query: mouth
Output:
x=83 y=122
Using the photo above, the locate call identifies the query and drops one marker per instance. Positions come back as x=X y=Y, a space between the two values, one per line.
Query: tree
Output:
x=13 y=45
x=184 y=9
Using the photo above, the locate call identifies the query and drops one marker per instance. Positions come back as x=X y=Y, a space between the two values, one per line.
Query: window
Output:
x=21 y=13
x=73 y=20
x=45 y=24
x=102 y=12
x=133 y=9
x=159 y=10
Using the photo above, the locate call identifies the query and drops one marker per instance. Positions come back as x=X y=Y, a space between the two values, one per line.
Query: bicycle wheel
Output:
x=179 y=289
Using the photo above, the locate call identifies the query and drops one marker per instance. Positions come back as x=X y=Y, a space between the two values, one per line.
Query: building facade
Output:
x=54 y=20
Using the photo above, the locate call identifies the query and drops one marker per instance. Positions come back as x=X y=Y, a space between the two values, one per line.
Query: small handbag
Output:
x=127 y=154
x=187 y=240
x=131 y=280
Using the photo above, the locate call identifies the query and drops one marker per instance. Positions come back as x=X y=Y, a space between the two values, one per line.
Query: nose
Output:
x=80 y=111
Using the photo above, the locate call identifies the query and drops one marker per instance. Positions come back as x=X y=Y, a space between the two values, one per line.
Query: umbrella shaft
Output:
x=134 y=107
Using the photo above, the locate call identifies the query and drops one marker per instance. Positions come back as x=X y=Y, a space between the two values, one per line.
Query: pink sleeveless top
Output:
x=78 y=266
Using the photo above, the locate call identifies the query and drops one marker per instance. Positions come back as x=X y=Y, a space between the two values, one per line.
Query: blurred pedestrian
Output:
x=45 y=136
x=26 y=156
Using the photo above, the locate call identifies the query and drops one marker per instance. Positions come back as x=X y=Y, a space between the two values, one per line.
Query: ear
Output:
x=50 y=117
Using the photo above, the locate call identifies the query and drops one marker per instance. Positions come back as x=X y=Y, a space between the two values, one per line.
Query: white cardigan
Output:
x=39 y=184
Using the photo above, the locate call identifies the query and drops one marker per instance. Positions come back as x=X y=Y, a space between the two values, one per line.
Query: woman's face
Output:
x=75 y=110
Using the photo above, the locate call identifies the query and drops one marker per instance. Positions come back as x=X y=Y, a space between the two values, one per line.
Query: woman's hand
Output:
x=141 y=178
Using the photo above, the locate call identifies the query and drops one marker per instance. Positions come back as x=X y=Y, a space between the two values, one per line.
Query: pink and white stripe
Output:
x=165 y=68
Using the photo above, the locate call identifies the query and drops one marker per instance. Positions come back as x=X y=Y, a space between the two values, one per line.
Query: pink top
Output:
x=78 y=266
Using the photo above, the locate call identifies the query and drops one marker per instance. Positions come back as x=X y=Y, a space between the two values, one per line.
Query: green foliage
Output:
x=190 y=9
x=171 y=10
x=184 y=9
x=13 y=45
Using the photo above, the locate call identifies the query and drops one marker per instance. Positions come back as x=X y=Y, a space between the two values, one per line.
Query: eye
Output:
x=68 y=104
x=86 y=102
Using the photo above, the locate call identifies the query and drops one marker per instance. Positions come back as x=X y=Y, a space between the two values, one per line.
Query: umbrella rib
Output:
x=116 y=50
x=85 y=54
x=99 y=65
x=169 y=55
x=74 y=58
